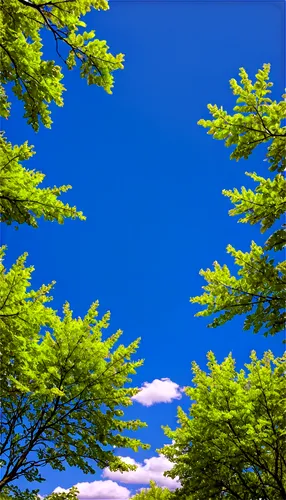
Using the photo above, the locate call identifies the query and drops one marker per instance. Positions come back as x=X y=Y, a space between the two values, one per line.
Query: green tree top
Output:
x=35 y=80
x=63 y=385
x=258 y=291
x=232 y=444
x=153 y=493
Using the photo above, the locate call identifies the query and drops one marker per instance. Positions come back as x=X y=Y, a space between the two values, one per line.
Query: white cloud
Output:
x=158 y=391
x=99 y=490
x=152 y=469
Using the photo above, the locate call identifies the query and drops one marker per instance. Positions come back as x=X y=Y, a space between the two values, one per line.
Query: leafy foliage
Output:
x=257 y=120
x=258 y=291
x=13 y=493
x=37 y=81
x=4 y=104
x=266 y=205
x=232 y=443
x=21 y=198
x=70 y=495
x=63 y=386
x=153 y=493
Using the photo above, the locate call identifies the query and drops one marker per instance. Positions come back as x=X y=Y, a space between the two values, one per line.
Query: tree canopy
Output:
x=259 y=289
x=232 y=443
x=63 y=386
x=27 y=29
x=37 y=80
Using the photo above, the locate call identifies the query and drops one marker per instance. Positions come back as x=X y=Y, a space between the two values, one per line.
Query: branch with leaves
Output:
x=258 y=290
x=36 y=81
x=21 y=198
x=257 y=120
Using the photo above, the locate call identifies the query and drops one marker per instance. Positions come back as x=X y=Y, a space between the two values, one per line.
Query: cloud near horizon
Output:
x=152 y=469
x=159 y=391
x=108 y=489
x=99 y=490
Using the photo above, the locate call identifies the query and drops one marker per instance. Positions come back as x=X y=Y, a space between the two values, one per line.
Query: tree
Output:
x=258 y=291
x=62 y=387
x=38 y=81
x=153 y=493
x=232 y=444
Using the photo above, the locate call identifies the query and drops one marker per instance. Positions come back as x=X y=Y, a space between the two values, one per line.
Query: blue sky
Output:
x=149 y=180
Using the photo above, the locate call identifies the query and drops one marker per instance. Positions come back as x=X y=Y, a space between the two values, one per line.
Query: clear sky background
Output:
x=149 y=180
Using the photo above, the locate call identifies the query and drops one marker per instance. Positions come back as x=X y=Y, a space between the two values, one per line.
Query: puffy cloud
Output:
x=99 y=490
x=158 y=391
x=152 y=469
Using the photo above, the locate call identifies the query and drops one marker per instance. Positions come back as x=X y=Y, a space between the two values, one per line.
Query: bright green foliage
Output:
x=21 y=198
x=70 y=495
x=258 y=290
x=265 y=206
x=37 y=81
x=62 y=385
x=257 y=120
x=22 y=313
x=4 y=104
x=153 y=493
x=13 y=493
x=232 y=444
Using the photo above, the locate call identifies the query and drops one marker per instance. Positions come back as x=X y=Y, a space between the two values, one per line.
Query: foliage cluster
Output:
x=63 y=381
x=232 y=443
